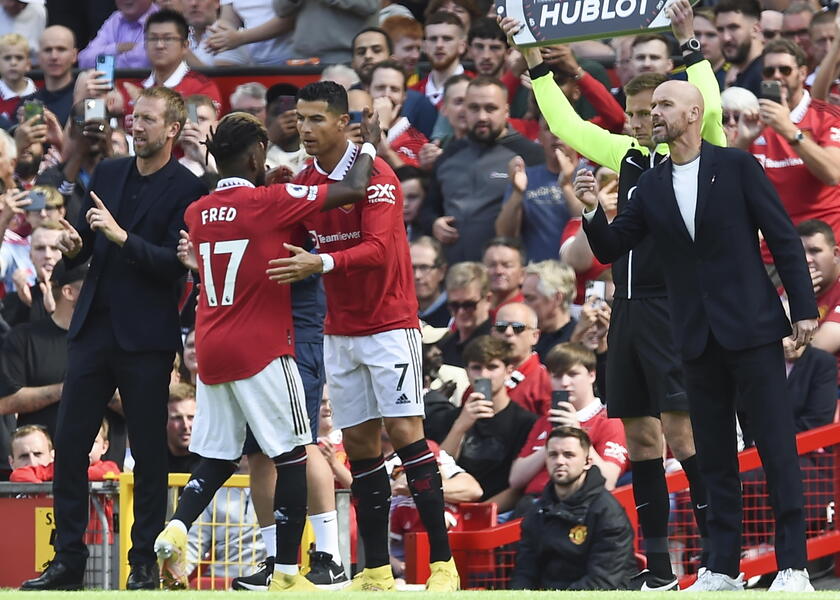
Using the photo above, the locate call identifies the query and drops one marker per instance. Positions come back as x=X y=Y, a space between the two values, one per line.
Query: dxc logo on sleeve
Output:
x=382 y=192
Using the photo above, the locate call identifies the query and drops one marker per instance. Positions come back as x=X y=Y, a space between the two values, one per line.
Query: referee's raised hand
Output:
x=370 y=128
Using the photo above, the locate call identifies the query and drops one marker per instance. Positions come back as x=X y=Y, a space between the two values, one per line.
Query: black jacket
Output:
x=716 y=282
x=143 y=298
x=584 y=542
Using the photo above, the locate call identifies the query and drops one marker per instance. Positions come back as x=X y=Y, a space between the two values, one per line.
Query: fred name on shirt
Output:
x=222 y=213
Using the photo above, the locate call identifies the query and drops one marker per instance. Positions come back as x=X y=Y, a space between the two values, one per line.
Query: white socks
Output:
x=325 y=527
x=269 y=537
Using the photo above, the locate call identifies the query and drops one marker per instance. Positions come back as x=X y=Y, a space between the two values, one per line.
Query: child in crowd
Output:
x=14 y=84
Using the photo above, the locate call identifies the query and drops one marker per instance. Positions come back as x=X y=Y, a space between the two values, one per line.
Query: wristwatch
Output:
x=692 y=45
x=797 y=137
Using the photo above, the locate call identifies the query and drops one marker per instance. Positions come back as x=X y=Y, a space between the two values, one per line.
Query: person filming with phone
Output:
x=795 y=137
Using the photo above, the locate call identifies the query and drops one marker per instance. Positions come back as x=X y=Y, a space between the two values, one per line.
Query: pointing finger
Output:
x=96 y=201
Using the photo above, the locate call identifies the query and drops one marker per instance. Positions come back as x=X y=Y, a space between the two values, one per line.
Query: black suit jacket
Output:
x=144 y=299
x=717 y=281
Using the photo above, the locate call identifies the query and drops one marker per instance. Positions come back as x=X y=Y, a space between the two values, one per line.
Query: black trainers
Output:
x=646 y=581
x=256 y=582
x=324 y=571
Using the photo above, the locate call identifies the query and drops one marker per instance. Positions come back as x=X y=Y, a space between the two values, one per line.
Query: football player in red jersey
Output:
x=372 y=347
x=236 y=230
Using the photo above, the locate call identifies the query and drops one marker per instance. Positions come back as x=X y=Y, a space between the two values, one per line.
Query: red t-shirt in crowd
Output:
x=519 y=297
x=371 y=288
x=593 y=272
x=828 y=304
x=243 y=319
x=530 y=386
x=607 y=437
x=98 y=471
x=406 y=141
x=803 y=195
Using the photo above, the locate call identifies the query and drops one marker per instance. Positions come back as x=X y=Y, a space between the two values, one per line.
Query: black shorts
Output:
x=310 y=363
x=644 y=369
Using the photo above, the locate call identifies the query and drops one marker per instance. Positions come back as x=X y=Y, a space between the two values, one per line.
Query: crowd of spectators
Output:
x=501 y=265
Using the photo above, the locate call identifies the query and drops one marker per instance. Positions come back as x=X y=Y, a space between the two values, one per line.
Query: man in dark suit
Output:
x=704 y=207
x=124 y=334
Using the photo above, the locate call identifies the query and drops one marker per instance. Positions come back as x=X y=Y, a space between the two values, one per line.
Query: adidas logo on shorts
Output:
x=403 y=399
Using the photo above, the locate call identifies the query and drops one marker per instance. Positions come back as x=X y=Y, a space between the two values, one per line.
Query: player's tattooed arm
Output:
x=354 y=186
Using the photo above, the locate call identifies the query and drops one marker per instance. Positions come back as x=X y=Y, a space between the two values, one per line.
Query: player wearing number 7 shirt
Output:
x=245 y=338
x=372 y=340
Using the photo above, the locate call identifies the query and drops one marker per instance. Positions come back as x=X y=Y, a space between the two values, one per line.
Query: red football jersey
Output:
x=593 y=272
x=371 y=288
x=406 y=141
x=828 y=304
x=243 y=319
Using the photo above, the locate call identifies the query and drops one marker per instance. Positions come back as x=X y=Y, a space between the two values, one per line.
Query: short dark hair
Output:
x=168 y=15
x=327 y=91
x=795 y=8
x=485 y=80
x=783 y=46
x=234 y=135
x=388 y=40
x=571 y=432
x=181 y=391
x=564 y=356
x=815 y=226
x=643 y=82
x=394 y=66
x=406 y=172
x=824 y=16
x=443 y=17
x=749 y=8
x=507 y=242
x=485 y=348
x=486 y=28
x=651 y=37
x=455 y=79
x=469 y=5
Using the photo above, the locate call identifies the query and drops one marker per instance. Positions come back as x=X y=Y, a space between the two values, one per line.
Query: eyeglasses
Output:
x=252 y=110
x=468 y=305
x=770 y=70
x=168 y=40
x=728 y=117
x=794 y=33
x=770 y=34
x=502 y=326
x=423 y=269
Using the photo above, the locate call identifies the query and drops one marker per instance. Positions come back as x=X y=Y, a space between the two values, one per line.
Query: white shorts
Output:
x=374 y=376
x=271 y=402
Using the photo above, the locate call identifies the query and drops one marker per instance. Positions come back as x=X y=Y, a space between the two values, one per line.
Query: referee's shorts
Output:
x=644 y=369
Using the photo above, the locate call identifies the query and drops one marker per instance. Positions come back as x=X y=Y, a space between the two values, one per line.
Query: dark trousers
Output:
x=96 y=367
x=758 y=377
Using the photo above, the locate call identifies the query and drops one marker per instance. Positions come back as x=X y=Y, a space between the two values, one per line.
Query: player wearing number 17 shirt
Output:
x=245 y=337
x=372 y=352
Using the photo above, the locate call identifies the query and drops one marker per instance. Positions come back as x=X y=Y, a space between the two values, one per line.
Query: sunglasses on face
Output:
x=468 y=305
x=728 y=117
x=769 y=71
x=502 y=326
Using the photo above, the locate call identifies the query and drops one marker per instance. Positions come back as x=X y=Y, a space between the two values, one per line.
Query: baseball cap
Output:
x=61 y=275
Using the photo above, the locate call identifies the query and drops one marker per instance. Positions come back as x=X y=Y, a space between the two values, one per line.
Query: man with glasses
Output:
x=771 y=24
x=797 y=141
x=429 y=266
x=737 y=22
x=468 y=301
x=796 y=23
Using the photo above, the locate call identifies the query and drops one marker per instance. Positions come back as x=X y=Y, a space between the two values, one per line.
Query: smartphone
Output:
x=482 y=386
x=33 y=108
x=598 y=289
x=38 y=201
x=94 y=109
x=355 y=116
x=559 y=397
x=192 y=113
x=106 y=63
x=771 y=90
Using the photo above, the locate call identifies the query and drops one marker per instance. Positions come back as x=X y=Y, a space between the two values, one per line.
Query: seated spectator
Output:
x=200 y=15
x=57 y=54
x=343 y=75
x=98 y=469
x=181 y=411
x=444 y=386
x=406 y=35
x=489 y=432
x=33 y=360
x=284 y=145
x=468 y=301
x=14 y=84
x=451 y=123
x=27 y=18
x=528 y=385
x=31 y=445
x=572 y=370
x=166 y=45
x=121 y=35
x=250 y=98
x=256 y=28
x=504 y=259
x=576 y=536
x=32 y=301
x=401 y=141
x=189 y=364
x=735 y=102
x=444 y=43
x=330 y=43
x=549 y=289
x=469 y=179
x=196 y=158
x=413 y=183
x=331 y=446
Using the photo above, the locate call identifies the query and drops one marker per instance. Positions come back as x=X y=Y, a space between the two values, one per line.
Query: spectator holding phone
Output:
x=490 y=430
x=202 y=118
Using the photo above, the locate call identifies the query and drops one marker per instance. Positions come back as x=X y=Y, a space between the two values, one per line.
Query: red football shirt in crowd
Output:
x=371 y=288
x=406 y=141
x=243 y=319
x=592 y=273
x=828 y=305
x=607 y=437
x=530 y=386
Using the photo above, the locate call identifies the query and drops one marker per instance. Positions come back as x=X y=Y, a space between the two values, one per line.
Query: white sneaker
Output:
x=707 y=581
x=792 y=580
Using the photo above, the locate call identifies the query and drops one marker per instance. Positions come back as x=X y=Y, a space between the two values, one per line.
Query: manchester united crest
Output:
x=577 y=534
